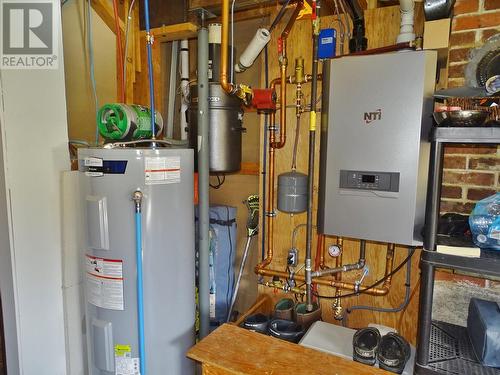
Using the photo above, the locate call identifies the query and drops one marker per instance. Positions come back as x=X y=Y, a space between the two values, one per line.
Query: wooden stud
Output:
x=105 y=11
x=186 y=30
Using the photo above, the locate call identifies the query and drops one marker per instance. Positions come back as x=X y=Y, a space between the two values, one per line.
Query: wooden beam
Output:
x=186 y=30
x=105 y=11
x=249 y=14
x=193 y=4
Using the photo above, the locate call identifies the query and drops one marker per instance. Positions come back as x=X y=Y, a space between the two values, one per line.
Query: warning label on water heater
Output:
x=124 y=363
x=162 y=170
x=104 y=282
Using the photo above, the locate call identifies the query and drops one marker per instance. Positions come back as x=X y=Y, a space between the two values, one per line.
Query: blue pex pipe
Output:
x=150 y=69
x=140 y=291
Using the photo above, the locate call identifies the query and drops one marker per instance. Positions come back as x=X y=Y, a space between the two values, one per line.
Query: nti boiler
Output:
x=375 y=123
x=139 y=263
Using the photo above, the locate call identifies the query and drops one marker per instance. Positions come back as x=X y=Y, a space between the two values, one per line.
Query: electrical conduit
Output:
x=316 y=6
x=137 y=198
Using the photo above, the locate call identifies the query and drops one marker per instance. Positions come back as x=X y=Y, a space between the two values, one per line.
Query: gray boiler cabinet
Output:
x=375 y=123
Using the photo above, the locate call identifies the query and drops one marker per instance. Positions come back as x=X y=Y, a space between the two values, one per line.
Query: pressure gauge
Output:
x=334 y=250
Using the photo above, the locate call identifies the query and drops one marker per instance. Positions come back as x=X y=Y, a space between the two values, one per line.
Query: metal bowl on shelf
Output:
x=461 y=118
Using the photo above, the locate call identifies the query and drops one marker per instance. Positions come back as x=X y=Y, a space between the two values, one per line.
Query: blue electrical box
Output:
x=327 y=43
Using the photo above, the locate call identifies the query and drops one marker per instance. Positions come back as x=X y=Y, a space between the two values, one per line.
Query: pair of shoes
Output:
x=392 y=351
x=280 y=328
x=286 y=309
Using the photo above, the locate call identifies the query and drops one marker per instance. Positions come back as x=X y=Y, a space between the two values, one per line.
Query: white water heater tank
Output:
x=165 y=177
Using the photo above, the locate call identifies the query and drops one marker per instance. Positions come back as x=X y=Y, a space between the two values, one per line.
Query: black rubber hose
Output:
x=387 y=309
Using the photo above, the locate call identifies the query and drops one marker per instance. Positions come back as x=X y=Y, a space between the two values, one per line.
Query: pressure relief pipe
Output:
x=203 y=182
x=149 y=43
x=137 y=198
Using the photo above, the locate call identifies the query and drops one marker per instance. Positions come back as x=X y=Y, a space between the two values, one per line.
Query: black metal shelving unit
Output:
x=444 y=348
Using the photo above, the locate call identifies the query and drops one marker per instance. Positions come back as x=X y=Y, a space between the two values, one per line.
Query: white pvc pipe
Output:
x=257 y=44
x=184 y=57
x=169 y=127
x=214 y=33
x=406 y=32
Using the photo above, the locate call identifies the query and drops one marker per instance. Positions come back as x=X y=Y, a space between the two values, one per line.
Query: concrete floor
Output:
x=451 y=299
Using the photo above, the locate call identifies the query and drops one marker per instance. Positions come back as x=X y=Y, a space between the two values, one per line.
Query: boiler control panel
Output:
x=365 y=180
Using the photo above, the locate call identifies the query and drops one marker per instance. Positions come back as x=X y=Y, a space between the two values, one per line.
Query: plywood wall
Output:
x=80 y=103
x=382 y=27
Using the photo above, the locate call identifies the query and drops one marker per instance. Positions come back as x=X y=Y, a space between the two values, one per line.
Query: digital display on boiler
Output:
x=368 y=178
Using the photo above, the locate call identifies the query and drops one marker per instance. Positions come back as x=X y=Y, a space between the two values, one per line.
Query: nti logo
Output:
x=29 y=35
x=372 y=116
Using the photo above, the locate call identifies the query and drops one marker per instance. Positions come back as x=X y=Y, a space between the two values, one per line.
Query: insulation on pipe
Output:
x=406 y=32
x=254 y=48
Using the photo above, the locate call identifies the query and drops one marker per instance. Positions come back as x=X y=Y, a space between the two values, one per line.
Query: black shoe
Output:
x=286 y=330
x=393 y=353
x=365 y=344
x=256 y=323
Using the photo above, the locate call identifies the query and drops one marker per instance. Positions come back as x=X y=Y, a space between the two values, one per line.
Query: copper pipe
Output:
x=280 y=285
x=324 y=281
x=291 y=21
x=282 y=140
x=270 y=200
x=337 y=303
x=382 y=291
x=283 y=68
x=271 y=172
x=389 y=264
x=338 y=261
x=321 y=251
x=224 y=78
x=270 y=210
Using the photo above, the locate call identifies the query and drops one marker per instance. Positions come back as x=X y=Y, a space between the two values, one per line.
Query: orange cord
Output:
x=119 y=50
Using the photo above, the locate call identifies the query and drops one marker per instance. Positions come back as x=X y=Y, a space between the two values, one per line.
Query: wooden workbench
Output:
x=233 y=350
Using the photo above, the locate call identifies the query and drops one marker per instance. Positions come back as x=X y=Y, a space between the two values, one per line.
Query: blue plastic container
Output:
x=485 y=223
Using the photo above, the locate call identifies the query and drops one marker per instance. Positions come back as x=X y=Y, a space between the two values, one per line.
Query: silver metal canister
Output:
x=292 y=192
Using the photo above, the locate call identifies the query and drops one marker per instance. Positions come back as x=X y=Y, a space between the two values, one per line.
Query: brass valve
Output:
x=299 y=70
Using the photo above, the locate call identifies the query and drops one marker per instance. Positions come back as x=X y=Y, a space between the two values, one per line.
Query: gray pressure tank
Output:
x=109 y=177
x=226 y=119
x=292 y=192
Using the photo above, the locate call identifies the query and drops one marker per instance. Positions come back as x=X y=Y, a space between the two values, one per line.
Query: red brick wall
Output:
x=470 y=172
x=474 y=21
